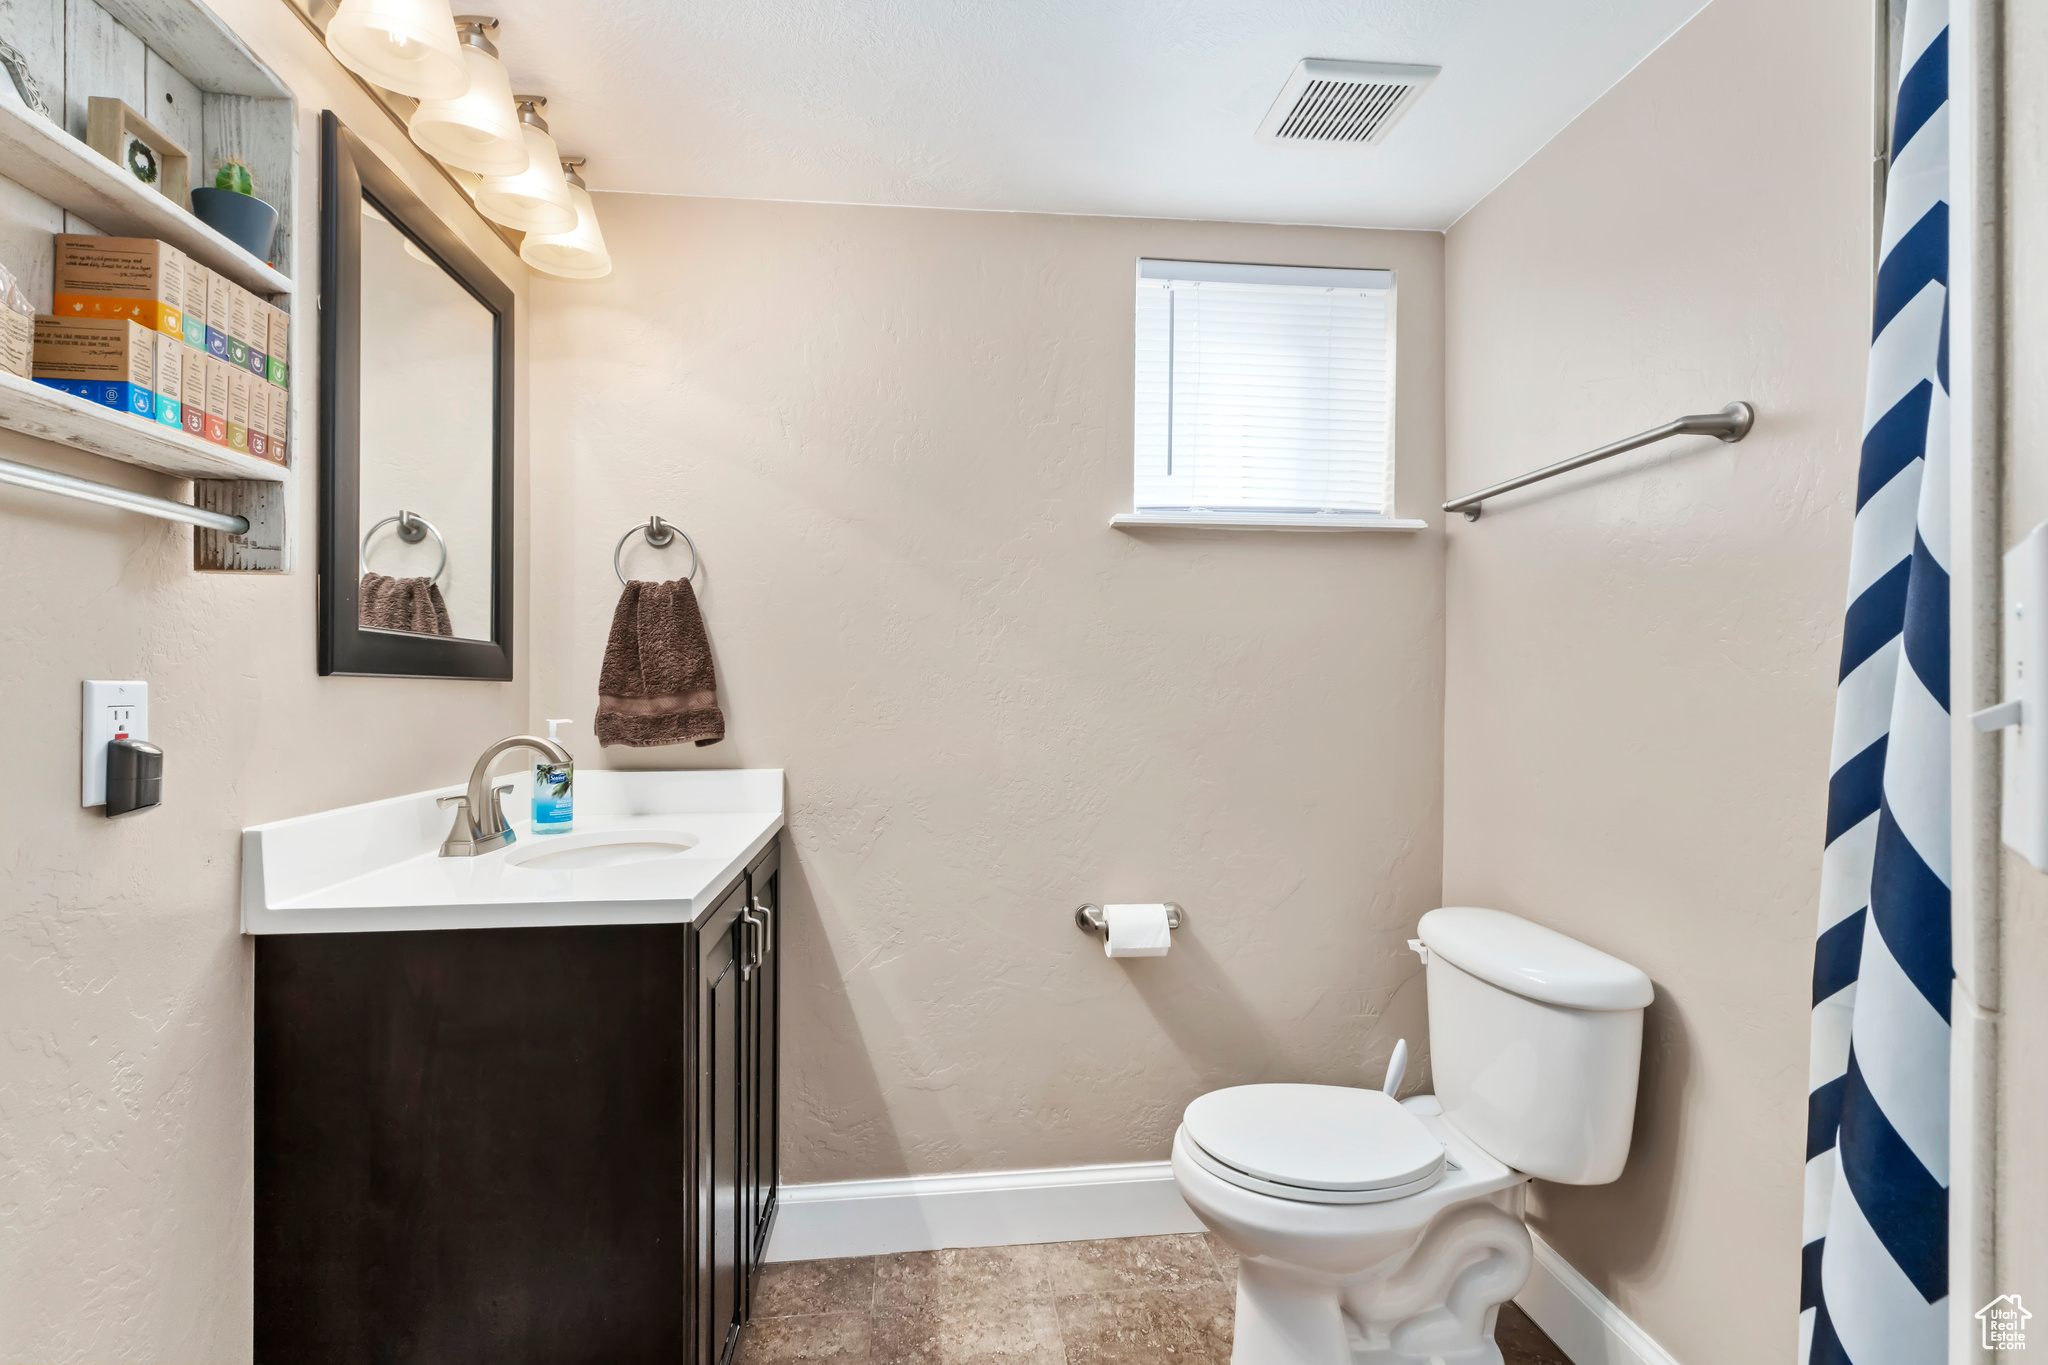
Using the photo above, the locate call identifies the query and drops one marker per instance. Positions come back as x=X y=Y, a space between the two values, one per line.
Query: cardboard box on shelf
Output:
x=167 y=380
x=109 y=361
x=279 y=355
x=218 y=292
x=217 y=372
x=17 y=341
x=192 y=391
x=134 y=278
x=259 y=417
x=280 y=425
x=239 y=381
x=197 y=286
x=17 y=327
x=241 y=304
x=259 y=338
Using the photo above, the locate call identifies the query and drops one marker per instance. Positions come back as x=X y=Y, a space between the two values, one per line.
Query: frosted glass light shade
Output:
x=403 y=45
x=535 y=200
x=577 y=254
x=477 y=130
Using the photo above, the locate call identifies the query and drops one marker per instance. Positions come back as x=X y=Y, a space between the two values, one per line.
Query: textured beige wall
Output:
x=1641 y=658
x=898 y=437
x=124 y=987
x=2020 y=1239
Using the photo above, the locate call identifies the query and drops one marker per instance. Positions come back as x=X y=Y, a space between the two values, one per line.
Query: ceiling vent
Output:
x=1355 y=102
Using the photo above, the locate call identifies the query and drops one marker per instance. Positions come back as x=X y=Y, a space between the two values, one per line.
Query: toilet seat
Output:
x=1318 y=1144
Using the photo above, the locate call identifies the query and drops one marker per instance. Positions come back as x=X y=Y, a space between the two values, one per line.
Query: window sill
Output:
x=1255 y=521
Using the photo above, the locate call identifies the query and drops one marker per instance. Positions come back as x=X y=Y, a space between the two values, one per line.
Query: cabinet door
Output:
x=474 y=1145
x=723 y=943
x=764 y=1037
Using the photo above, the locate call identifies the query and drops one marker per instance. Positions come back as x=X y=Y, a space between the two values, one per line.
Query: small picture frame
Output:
x=141 y=149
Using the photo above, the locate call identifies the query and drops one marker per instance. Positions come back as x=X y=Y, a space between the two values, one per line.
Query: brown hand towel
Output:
x=656 y=686
x=413 y=605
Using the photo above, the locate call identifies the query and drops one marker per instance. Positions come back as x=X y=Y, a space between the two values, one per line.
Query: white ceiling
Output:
x=1134 y=107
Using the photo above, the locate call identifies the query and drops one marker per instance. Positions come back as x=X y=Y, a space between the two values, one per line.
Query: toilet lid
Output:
x=1316 y=1137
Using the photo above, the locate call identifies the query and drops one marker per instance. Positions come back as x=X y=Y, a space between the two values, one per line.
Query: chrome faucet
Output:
x=479 y=813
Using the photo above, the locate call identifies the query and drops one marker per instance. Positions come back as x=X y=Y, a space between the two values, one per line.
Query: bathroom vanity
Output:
x=518 y=1107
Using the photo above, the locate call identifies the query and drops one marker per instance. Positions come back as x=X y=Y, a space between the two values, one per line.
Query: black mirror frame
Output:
x=349 y=173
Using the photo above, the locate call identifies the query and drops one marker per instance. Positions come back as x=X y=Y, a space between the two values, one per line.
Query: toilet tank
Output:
x=1535 y=1040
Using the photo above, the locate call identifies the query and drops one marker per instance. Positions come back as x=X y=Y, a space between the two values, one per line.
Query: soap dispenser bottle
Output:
x=554 y=791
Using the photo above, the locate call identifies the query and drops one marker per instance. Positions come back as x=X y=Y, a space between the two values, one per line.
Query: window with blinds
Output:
x=1264 y=392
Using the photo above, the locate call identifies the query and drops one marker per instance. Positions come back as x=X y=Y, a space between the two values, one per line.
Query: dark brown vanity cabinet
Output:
x=763 y=1006
x=738 y=1001
x=525 y=1146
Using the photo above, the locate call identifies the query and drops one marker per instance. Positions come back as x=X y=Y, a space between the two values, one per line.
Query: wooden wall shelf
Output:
x=53 y=415
x=181 y=67
x=193 y=39
x=42 y=157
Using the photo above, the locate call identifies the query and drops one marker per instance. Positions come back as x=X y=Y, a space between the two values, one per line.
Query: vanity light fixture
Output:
x=537 y=199
x=579 y=253
x=402 y=45
x=476 y=130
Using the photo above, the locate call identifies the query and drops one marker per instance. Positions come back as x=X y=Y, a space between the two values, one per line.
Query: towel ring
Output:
x=658 y=533
x=412 y=529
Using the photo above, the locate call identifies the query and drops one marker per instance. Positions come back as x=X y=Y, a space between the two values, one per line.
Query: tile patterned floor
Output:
x=1136 y=1301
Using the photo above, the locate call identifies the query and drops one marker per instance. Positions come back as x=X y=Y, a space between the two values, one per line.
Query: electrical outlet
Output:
x=113 y=710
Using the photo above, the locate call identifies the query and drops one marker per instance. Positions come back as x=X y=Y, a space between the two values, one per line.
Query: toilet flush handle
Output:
x=1421 y=950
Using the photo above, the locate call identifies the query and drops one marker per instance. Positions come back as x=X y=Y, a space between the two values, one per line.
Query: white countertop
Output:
x=376 y=868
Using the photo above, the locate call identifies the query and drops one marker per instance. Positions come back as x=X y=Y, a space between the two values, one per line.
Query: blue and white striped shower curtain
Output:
x=1875 y=1278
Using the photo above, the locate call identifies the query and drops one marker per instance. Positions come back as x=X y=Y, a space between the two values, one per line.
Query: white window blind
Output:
x=1264 y=390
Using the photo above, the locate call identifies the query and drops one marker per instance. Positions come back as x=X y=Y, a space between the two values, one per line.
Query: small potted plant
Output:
x=232 y=209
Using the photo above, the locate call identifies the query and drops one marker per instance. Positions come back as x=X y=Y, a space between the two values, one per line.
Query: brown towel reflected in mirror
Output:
x=412 y=605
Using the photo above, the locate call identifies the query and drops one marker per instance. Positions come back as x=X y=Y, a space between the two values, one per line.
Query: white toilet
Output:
x=1371 y=1232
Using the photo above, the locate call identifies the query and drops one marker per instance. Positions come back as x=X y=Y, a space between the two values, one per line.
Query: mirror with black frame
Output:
x=416 y=433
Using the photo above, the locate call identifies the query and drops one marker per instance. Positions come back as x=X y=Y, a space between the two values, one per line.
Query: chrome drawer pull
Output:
x=747 y=951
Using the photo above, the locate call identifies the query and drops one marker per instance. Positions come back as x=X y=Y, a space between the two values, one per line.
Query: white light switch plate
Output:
x=2023 y=817
x=113 y=710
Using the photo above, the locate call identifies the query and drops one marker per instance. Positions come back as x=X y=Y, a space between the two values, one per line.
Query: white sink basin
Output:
x=606 y=848
x=648 y=848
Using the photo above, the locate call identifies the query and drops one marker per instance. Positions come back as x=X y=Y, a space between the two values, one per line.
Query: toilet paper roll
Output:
x=1136 y=931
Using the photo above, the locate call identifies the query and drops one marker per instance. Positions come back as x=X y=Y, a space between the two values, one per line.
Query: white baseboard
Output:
x=1084 y=1203
x=1582 y=1321
x=991 y=1209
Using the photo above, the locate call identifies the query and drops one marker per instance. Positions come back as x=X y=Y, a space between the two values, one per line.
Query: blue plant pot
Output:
x=243 y=219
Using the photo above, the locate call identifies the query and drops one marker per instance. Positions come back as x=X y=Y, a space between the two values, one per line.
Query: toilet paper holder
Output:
x=1090 y=918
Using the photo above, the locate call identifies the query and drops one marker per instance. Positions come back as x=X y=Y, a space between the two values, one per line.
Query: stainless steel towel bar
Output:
x=49 y=481
x=1731 y=423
